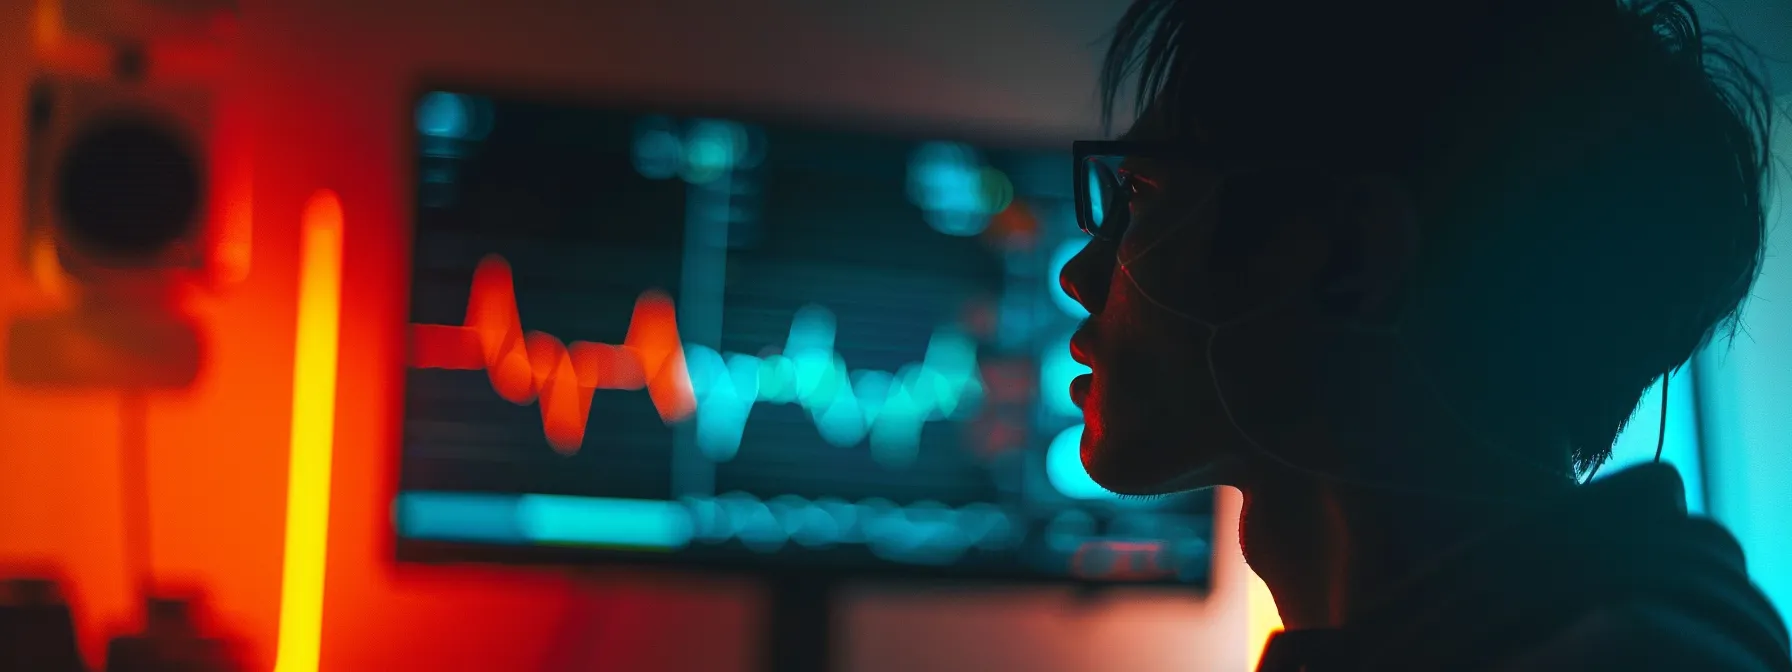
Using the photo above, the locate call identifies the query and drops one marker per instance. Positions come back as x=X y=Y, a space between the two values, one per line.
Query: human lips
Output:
x=1079 y=347
x=1079 y=351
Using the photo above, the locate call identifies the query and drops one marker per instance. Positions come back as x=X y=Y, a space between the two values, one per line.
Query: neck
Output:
x=1328 y=551
x=1324 y=551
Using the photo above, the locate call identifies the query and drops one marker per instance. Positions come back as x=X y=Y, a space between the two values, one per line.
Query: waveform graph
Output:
x=886 y=410
x=717 y=390
x=534 y=367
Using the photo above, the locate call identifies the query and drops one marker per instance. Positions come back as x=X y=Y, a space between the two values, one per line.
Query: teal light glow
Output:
x=468 y=517
x=597 y=521
x=954 y=190
x=1056 y=370
x=1096 y=199
x=923 y=532
x=1745 y=395
x=848 y=407
x=1680 y=447
x=450 y=118
x=658 y=151
x=1059 y=258
x=444 y=115
x=704 y=151
x=1064 y=467
x=543 y=519
x=712 y=148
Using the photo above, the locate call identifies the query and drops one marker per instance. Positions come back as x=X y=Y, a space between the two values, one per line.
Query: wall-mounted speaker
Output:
x=117 y=182
x=119 y=222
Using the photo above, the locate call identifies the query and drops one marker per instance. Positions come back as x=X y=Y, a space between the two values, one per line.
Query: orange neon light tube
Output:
x=313 y=427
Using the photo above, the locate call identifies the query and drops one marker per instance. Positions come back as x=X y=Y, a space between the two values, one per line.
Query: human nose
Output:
x=1086 y=276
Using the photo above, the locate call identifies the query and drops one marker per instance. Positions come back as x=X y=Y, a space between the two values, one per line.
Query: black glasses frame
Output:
x=1083 y=150
x=1222 y=162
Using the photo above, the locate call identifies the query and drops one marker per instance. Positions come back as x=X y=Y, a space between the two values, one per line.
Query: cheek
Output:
x=1151 y=414
x=1150 y=383
x=1152 y=371
x=1269 y=372
x=1168 y=260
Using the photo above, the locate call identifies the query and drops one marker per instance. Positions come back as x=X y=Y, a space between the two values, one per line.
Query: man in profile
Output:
x=1400 y=270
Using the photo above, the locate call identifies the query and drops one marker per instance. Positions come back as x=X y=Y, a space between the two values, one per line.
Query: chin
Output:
x=1144 y=467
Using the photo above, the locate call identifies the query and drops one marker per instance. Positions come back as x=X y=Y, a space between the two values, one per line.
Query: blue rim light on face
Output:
x=1064 y=467
x=1056 y=370
x=1061 y=256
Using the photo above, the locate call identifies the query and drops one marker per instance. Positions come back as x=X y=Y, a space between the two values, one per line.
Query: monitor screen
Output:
x=723 y=341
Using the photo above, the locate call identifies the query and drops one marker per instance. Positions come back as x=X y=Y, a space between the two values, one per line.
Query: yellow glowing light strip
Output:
x=313 y=425
x=1262 y=619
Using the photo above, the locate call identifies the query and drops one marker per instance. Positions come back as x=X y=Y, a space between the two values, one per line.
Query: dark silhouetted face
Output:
x=1154 y=422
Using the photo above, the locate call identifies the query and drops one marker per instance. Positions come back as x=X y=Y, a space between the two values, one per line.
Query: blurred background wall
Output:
x=323 y=102
x=1746 y=395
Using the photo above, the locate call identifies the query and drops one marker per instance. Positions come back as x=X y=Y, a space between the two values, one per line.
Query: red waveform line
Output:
x=536 y=367
x=1119 y=560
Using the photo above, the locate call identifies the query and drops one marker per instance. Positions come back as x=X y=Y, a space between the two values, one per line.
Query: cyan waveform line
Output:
x=846 y=406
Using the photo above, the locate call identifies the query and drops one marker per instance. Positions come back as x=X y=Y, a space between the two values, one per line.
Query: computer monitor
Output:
x=730 y=341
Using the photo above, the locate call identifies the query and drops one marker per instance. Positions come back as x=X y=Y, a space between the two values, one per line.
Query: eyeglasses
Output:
x=1104 y=186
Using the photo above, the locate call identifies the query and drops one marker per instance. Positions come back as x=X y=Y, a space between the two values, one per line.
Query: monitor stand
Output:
x=800 y=635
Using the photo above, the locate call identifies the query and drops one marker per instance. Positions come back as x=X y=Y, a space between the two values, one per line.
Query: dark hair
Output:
x=1591 y=172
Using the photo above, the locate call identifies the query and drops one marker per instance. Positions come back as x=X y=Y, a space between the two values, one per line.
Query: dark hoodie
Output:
x=1615 y=577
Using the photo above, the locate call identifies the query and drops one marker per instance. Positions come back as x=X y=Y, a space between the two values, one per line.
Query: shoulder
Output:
x=1645 y=635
